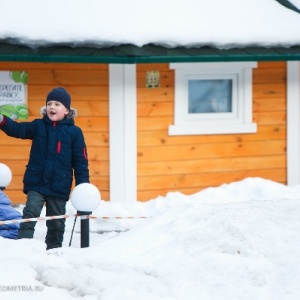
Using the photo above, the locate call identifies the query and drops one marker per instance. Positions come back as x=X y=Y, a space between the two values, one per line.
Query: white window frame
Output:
x=237 y=121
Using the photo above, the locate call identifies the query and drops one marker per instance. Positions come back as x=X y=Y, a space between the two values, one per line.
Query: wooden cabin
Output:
x=133 y=154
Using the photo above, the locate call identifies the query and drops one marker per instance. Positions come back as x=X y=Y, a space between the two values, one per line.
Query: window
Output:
x=213 y=98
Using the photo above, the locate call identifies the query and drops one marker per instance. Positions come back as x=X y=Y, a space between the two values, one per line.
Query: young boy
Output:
x=58 y=149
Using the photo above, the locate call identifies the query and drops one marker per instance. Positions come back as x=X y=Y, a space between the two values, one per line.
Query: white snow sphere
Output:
x=5 y=175
x=85 y=197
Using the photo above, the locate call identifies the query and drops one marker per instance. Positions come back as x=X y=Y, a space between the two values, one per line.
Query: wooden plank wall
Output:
x=191 y=163
x=88 y=86
x=165 y=163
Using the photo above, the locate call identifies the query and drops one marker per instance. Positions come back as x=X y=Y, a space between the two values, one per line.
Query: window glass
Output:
x=209 y=96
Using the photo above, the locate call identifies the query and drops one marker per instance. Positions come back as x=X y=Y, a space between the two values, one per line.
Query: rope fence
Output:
x=5 y=222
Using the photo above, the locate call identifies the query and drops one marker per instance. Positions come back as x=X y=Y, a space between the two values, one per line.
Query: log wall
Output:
x=191 y=163
x=165 y=163
x=88 y=86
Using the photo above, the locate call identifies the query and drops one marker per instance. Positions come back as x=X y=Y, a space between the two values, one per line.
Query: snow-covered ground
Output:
x=238 y=241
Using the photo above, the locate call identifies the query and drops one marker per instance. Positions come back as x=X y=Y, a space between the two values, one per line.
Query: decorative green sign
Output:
x=13 y=94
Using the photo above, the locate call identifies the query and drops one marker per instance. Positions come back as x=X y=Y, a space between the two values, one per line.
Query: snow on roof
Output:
x=171 y=23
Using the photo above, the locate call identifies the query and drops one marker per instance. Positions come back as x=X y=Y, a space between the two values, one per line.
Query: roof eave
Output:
x=130 y=54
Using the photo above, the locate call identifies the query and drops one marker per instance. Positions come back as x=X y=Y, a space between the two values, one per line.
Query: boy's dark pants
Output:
x=54 y=207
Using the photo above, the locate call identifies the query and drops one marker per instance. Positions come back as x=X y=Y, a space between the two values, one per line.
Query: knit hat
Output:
x=61 y=95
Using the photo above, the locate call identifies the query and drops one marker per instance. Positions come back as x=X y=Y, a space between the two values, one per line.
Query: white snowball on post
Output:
x=85 y=197
x=5 y=175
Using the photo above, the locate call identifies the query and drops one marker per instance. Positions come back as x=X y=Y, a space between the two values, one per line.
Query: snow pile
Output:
x=223 y=24
x=237 y=241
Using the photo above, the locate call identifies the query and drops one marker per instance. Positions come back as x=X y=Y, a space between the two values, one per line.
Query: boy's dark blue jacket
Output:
x=58 y=149
x=7 y=212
